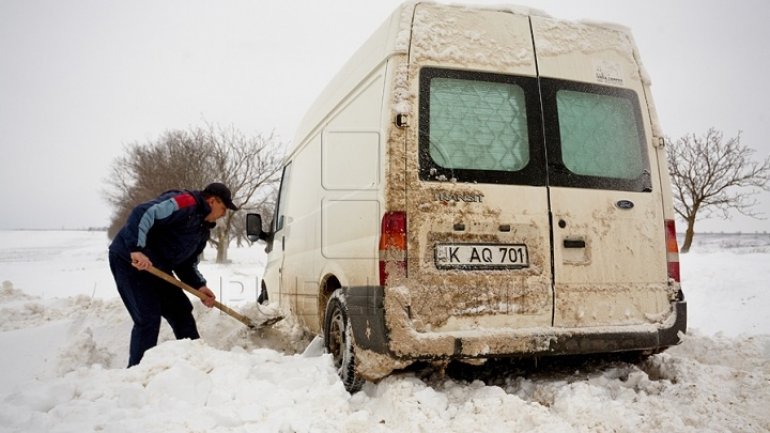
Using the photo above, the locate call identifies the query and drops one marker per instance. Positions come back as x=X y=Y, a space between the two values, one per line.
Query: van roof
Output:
x=391 y=38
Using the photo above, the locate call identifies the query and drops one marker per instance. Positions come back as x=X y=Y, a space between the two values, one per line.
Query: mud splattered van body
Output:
x=479 y=183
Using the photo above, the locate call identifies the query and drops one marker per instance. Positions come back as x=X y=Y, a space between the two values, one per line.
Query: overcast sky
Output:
x=81 y=79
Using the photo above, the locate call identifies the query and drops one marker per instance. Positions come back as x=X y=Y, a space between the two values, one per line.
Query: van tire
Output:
x=338 y=341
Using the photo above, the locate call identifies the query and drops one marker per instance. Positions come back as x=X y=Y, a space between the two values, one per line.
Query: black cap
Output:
x=220 y=190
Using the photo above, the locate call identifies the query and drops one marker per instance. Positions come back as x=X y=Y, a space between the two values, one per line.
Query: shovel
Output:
x=224 y=308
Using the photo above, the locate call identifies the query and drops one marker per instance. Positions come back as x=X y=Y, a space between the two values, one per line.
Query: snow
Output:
x=64 y=338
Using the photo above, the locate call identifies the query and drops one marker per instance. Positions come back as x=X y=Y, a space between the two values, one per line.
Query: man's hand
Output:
x=140 y=261
x=210 y=297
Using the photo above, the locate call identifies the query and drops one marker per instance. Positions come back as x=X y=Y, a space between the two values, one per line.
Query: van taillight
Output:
x=672 y=251
x=392 y=244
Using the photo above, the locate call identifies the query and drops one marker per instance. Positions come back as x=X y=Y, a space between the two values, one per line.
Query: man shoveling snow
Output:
x=168 y=232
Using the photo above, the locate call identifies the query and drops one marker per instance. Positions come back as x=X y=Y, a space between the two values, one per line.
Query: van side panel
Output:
x=301 y=232
x=334 y=203
x=341 y=215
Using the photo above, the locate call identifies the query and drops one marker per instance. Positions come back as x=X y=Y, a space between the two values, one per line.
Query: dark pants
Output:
x=148 y=298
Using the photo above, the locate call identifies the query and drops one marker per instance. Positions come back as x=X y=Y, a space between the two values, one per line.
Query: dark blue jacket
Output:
x=171 y=231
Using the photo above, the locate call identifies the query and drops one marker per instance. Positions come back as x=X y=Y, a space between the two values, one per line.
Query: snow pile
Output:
x=181 y=386
x=725 y=280
x=63 y=359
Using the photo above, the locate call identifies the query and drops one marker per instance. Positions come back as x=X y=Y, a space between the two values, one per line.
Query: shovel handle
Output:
x=189 y=289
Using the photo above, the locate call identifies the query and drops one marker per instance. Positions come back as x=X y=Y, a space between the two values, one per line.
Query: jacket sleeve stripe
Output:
x=153 y=213
x=185 y=200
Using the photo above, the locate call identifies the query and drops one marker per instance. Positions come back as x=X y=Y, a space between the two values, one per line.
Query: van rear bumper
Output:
x=367 y=315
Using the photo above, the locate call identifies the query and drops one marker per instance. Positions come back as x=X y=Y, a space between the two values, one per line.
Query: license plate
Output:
x=481 y=256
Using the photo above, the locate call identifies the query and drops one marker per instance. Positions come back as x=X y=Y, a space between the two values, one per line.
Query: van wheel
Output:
x=338 y=340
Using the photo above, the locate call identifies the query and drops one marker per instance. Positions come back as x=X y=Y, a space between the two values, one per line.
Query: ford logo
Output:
x=625 y=204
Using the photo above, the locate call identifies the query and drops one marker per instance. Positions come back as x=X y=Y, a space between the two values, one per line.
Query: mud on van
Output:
x=476 y=183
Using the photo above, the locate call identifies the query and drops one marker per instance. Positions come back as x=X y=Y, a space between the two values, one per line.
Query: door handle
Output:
x=574 y=243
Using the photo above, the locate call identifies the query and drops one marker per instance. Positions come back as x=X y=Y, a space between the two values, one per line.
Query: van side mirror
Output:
x=254 y=228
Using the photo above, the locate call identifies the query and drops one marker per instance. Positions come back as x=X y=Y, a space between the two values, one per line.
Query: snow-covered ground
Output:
x=64 y=339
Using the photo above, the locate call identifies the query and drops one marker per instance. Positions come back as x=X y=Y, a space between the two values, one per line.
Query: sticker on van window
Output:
x=608 y=72
x=481 y=256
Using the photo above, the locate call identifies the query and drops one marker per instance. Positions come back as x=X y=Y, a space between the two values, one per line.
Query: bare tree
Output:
x=176 y=160
x=190 y=160
x=711 y=175
x=249 y=166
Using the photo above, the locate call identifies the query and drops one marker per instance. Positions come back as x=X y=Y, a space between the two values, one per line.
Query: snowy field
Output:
x=64 y=339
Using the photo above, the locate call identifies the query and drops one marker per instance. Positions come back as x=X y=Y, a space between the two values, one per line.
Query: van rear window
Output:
x=594 y=136
x=599 y=135
x=480 y=127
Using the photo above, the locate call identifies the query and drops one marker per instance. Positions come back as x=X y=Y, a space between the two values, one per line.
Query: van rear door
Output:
x=605 y=198
x=479 y=253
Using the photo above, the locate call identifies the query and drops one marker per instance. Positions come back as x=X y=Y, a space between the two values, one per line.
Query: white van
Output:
x=476 y=183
